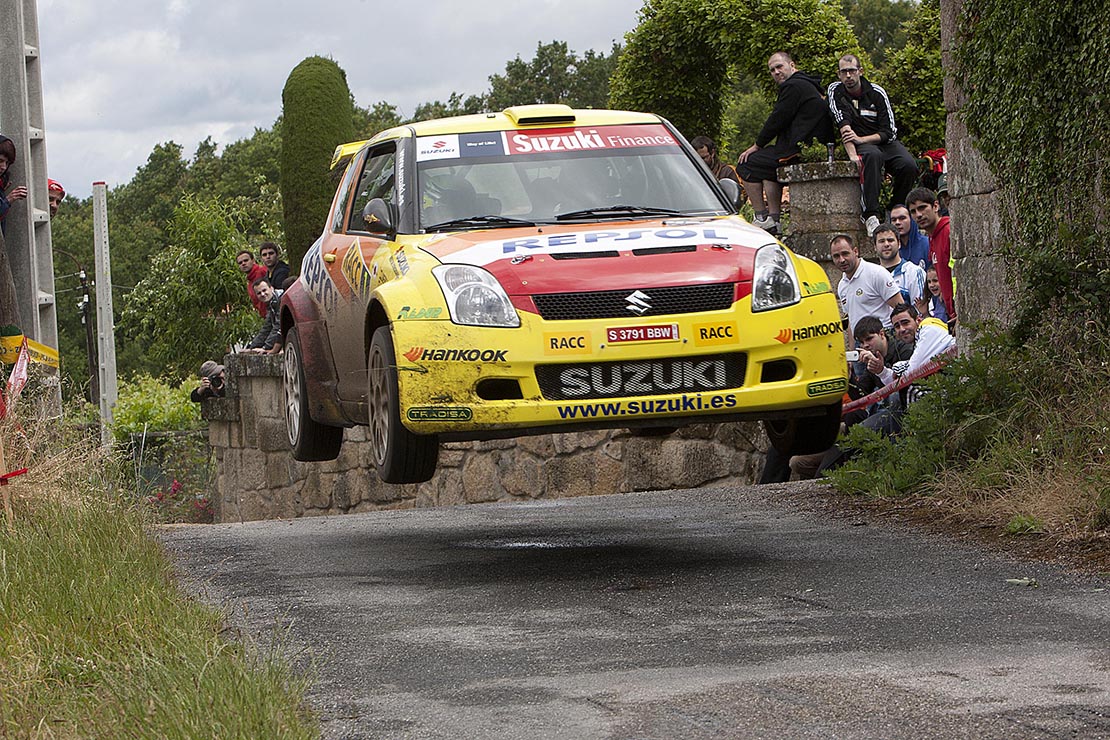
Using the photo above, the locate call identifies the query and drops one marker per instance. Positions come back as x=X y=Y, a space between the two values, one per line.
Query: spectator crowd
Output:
x=899 y=311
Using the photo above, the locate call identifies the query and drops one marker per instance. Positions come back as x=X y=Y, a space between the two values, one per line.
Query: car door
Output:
x=348 y=253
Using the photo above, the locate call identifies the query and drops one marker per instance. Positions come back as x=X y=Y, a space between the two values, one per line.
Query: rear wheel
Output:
x=399 y=455
x=805 y=435
x=311 y=441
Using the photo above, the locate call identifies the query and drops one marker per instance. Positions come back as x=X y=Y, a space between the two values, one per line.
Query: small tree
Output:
x=192 y=305
x=317 y=116
x=914 y=80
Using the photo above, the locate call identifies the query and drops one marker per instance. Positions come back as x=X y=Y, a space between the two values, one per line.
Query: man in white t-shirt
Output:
x=866 y=289
x=931 y=337
x=909 y=277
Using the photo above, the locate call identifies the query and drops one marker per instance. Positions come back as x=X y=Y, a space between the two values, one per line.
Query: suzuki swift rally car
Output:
x=546 y=269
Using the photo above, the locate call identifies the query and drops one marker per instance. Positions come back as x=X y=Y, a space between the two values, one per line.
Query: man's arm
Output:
x=778 y=123
x=885 y=120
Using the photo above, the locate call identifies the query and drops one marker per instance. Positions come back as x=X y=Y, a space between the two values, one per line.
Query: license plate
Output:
x=651 y=333
x=641 y=378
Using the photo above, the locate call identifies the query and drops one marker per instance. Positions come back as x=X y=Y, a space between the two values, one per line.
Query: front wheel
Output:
x=805 y=435
x=311 y=441
x=399 y=455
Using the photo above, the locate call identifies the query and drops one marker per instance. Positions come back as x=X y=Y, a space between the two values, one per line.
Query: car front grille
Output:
x=619 y=304
x=664 y=376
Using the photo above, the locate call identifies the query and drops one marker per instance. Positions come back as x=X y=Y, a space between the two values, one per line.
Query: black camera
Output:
x=217 y=380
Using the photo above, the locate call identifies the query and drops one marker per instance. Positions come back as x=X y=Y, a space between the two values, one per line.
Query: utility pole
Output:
x=105 y=321
x=21 y=120
x=83 y=307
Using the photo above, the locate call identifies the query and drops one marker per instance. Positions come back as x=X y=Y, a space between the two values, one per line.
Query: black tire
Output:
x=805 y=435
x=311 y=441
x=399 y=455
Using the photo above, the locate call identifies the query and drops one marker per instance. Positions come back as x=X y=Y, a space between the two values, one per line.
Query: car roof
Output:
x=519 y=117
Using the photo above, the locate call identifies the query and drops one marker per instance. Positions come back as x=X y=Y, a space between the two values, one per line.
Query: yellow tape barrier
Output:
x=40 y=353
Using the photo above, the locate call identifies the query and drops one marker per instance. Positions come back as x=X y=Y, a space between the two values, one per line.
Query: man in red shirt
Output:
x=253 y=271
x=925 y=209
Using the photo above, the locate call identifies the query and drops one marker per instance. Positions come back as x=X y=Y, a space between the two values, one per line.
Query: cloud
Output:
x=121 y=76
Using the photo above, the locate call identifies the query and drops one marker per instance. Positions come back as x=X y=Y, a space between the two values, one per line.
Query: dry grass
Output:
x=95 y=638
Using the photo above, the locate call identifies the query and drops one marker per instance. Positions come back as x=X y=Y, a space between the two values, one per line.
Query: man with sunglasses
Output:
x=862 y=112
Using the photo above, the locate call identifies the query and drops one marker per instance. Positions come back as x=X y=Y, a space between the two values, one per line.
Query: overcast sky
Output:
x=120 y=76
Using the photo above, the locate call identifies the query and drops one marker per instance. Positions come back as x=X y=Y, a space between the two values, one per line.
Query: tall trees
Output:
x=317 y=116
x=554 y=75
x=678 y=60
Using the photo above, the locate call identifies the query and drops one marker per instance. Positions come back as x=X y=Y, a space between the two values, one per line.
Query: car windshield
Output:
x=564 y=174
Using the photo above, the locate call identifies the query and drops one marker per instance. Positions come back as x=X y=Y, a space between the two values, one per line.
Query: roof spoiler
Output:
x=532 y=115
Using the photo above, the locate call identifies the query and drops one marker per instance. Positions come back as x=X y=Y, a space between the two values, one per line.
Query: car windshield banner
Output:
x=542 y=141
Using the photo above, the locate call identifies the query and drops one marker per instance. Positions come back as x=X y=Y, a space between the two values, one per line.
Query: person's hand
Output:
x=848 y=135
x=17 y=193
x=747 y=153
x=875 y=363
x=205 y=384
x=922 y=306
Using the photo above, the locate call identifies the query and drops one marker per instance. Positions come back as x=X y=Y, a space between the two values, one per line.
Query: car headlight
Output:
x=775 y=283
x=474 y=297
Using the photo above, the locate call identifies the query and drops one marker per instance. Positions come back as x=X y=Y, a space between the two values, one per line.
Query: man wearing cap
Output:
x=212 y=379
x=54 y=193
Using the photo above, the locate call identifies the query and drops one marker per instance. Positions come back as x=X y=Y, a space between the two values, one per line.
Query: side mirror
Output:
x=732 y=191
x=379 y=218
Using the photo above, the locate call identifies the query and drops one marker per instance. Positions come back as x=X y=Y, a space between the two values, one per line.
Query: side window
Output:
x=344 y=196
x=376 y=181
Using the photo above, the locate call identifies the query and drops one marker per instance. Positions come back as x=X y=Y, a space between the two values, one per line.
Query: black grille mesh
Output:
x=633 y=378
x=613 y=304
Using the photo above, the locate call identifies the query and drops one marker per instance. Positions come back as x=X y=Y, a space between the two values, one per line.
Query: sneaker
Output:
x=764 y=222
x=872 y=224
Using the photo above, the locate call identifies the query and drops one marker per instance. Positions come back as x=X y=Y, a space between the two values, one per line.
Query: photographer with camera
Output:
x=212 y=380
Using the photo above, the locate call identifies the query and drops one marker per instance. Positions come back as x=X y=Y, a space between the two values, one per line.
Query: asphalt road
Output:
x=722 y=613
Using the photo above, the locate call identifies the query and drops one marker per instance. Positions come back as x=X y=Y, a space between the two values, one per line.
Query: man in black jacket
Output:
x=268 y=339
x=799 y=115
x=862 y=112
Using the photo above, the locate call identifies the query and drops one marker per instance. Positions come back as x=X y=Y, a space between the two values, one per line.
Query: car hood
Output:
x=609 y=256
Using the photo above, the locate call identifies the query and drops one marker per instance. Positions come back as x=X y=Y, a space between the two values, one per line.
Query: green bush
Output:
x=149 y=404
x=914 y=80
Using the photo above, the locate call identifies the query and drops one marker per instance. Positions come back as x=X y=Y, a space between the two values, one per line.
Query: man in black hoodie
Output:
x=862 y=112
x=799 y=115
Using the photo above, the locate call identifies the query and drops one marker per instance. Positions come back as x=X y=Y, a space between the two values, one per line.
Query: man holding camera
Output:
x=212 y=379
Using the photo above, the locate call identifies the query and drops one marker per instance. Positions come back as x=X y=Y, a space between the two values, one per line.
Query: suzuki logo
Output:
x=638 y=303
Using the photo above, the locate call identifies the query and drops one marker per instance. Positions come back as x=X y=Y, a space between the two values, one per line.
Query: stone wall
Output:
x=984 y=289
x=257 y=477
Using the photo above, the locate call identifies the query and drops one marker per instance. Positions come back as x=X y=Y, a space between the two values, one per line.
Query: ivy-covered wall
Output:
x=1032 y=85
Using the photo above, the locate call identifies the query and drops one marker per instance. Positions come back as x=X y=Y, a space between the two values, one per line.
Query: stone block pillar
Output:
x=824 y=201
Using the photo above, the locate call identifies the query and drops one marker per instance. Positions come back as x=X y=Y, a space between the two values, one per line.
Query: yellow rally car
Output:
x=546 y=269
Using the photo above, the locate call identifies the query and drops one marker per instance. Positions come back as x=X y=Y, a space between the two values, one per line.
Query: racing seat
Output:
x=452 y=197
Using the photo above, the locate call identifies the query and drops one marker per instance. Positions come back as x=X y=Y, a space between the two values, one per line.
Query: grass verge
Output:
x=96 y=640
x=1014 y=436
